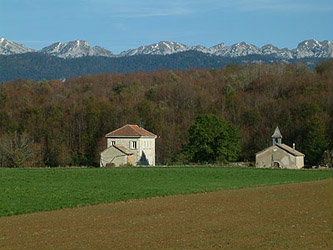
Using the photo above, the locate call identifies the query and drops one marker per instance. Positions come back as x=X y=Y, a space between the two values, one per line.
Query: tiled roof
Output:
x=130 y=131
x=289 y=149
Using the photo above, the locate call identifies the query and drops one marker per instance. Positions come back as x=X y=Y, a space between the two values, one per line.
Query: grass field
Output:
x=32 y=190
x=287 y=216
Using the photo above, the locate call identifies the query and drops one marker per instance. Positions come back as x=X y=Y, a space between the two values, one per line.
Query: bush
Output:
x=17 y=150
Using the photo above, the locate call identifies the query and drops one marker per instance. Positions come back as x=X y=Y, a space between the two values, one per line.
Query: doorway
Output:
x=276 y=164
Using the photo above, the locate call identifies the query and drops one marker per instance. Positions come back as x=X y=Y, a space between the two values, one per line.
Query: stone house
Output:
x=279 y=155
x=129 y=144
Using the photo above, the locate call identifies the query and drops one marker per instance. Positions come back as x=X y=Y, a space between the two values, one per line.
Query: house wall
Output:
x=113 y=155
x=144 y=146
x=146 y=151
x=299 y=162
x=265 y=158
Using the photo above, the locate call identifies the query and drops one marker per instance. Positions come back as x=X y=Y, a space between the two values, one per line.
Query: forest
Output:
x=38 y=66
x=63 y=123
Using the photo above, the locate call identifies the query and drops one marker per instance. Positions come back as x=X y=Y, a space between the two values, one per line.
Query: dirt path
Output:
x=290 y=216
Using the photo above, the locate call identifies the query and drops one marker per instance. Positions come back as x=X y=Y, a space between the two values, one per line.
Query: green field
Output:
x=31 y=190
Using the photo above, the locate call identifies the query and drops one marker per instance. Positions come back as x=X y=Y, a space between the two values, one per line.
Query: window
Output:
x=132 y=144
x=113 y=142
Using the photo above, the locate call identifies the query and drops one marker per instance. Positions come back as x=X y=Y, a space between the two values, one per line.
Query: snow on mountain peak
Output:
x=75 y=49
x=270 y=49
x=8 y=47
x=313 y=48
x=161 y=48
x=80 y=48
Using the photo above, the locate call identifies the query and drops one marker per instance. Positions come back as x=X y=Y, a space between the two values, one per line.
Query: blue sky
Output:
x=126 y=24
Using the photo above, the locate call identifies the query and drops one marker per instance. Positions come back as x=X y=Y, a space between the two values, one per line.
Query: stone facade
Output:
x=115 y=155
x=279 y=155
x=137 y=141
x=141 y=147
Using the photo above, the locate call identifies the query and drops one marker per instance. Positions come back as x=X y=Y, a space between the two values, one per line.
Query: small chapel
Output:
x=279 y=155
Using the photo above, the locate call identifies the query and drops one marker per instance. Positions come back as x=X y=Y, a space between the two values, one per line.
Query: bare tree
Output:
x=16 y=150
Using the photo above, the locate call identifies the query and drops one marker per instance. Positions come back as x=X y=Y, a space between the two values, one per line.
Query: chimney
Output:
x=293 y=146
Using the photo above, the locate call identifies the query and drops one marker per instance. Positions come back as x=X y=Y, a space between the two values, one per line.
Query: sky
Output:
x=127 y=24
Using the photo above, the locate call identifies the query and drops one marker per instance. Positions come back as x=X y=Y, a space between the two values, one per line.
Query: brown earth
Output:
x=290 y=216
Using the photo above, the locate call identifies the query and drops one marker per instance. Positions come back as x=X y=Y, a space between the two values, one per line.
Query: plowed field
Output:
x=288 y=216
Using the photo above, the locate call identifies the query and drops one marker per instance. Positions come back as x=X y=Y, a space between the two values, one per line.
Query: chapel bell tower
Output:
x=277 y=137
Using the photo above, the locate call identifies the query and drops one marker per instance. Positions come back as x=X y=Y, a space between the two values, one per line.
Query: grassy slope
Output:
x=32 y=190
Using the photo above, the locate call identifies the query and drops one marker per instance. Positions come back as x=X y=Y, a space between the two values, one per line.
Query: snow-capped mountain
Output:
x=313 y=48
x=79 y=48
x=270 y=49
x=200 y=48
x=75 y=49
x=8 y=47
x=217 y=49
x=242 y=49
x=161 y=48
x=238 y=49
x=308 y=48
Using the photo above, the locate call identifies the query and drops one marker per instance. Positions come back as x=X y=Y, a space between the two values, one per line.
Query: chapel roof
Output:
x=285 y=148
x=289 y=149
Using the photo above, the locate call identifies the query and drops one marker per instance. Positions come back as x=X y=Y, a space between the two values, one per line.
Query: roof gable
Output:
x=264 y=150
x=130 y=131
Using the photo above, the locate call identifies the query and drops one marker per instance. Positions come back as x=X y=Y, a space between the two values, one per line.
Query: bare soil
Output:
x=289 y=216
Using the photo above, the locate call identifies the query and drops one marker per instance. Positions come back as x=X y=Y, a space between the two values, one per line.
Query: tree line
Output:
x=55 y=123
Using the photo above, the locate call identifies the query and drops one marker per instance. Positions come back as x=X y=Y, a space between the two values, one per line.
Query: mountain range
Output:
x=80 y=48
x=77 y=58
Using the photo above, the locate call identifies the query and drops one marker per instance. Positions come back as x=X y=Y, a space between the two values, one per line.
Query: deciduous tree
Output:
x=213 y=139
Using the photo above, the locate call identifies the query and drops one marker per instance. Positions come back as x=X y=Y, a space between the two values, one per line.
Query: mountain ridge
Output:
x=8 y=47
x=81 y=48
x=75 y=49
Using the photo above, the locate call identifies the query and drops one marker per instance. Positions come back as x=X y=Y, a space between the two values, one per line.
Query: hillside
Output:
x=38 y=66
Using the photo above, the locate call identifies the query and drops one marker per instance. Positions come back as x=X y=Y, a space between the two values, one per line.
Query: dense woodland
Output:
x=54 y=123
x=38 y=66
